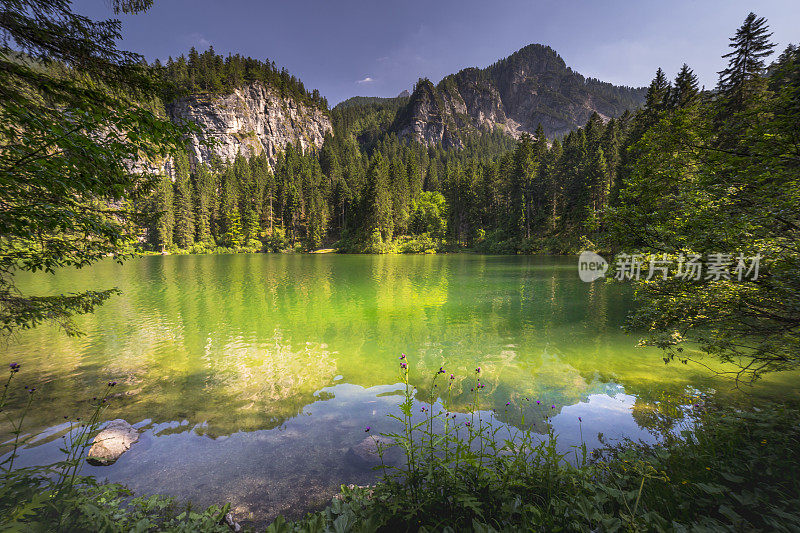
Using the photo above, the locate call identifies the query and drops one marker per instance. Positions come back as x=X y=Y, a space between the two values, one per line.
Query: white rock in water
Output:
x=366 y=451
x=112 y=442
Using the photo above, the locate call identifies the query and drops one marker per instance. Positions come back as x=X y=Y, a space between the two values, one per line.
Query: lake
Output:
x=252 y=376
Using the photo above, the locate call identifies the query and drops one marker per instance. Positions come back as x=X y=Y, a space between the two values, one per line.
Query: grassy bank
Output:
x=722 y=470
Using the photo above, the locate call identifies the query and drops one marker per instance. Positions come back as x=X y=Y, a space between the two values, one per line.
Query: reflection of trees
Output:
x=244 y=341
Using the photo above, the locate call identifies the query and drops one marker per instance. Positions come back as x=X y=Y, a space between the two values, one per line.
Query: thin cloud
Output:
x=198 y=40
x=366 y=80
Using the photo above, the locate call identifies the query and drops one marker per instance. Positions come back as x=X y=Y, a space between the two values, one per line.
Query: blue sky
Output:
x=377 y=48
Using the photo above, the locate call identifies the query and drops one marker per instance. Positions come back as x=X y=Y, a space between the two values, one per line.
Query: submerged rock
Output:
x=112 y=442
x=366 y=452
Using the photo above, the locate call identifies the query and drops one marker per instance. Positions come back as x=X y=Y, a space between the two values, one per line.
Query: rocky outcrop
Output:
x=532 y=86
x=115 y=439
x=254 y=119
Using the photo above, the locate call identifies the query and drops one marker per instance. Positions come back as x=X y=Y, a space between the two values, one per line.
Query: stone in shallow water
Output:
x=365 y=453
x=112 y=442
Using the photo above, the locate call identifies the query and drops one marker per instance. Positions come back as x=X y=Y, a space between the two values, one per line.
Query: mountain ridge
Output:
x=532 y=86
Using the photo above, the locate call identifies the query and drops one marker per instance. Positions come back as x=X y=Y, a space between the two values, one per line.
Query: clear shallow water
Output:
x=251 y=376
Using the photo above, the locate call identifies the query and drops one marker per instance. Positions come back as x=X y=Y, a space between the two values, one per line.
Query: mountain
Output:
x=360 y=101
x=530 y=87
x=251 y=119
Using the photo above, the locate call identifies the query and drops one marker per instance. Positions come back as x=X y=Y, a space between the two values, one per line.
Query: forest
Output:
x=691 y=172
x=366 y=190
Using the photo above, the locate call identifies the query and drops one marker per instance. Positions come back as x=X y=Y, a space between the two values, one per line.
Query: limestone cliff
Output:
x=532 y=86
x=251 y=120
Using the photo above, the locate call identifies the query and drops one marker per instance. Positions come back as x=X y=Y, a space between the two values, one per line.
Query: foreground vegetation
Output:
x=692 y=172
x=715 y=469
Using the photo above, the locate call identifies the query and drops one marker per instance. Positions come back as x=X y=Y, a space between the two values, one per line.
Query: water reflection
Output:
x=252 y=375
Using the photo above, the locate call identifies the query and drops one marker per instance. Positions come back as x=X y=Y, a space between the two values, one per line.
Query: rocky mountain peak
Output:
x=532 y=86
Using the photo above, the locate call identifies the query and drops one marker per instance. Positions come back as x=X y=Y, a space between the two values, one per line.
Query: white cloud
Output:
x=198 y=40
x=366 y=80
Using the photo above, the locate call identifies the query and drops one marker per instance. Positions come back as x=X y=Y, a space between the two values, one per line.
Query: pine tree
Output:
x=166 y=222
x=378 y=200
x=657 y=93
x=203 y=198
x=743 y=79
x=686 y=87
x=184 y=214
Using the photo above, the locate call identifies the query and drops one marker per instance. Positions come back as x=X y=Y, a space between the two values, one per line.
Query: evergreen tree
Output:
x=686 y=87
x=742 y=80
x=164 y=206
x=378 y=200
x=183 y=212
x=204 y=192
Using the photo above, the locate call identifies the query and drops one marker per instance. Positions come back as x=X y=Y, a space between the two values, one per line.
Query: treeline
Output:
x=363 y=189
x=209 y=72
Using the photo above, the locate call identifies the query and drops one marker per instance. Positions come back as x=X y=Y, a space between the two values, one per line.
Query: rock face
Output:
x=532 y=86
x=112 y=442
x=252 y=120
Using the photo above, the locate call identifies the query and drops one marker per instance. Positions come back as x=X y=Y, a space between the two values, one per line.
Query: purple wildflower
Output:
x=552 y=407
x=112 y=383
x=580 y=419
x=366 y=430
x=14 y=367
x=403 y=365
x=452 y=376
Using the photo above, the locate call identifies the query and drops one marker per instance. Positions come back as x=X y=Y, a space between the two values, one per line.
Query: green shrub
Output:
x=735 y=471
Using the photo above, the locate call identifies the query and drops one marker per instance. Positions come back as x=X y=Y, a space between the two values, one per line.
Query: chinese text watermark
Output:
x=691 y=267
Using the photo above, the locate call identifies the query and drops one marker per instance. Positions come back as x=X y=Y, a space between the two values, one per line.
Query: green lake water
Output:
x=252 y=376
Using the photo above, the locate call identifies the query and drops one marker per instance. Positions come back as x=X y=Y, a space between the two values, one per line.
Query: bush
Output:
x=736 y=471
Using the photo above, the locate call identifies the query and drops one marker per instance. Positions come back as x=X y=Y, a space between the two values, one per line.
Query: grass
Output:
x=724 y=470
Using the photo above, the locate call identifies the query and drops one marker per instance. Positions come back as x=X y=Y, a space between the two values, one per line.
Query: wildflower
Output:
x=441 y=370
x=403 y=365
x=14 y=367
x=454 y=417
x=32 y=389
x=112 y=383
x=552 y=407
x=580 y=419
x=366 y=430
x=508 y=403
x=538 y=402
x=467 y=424
x=452 y=376
x=478 y=370
x=402 y=356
